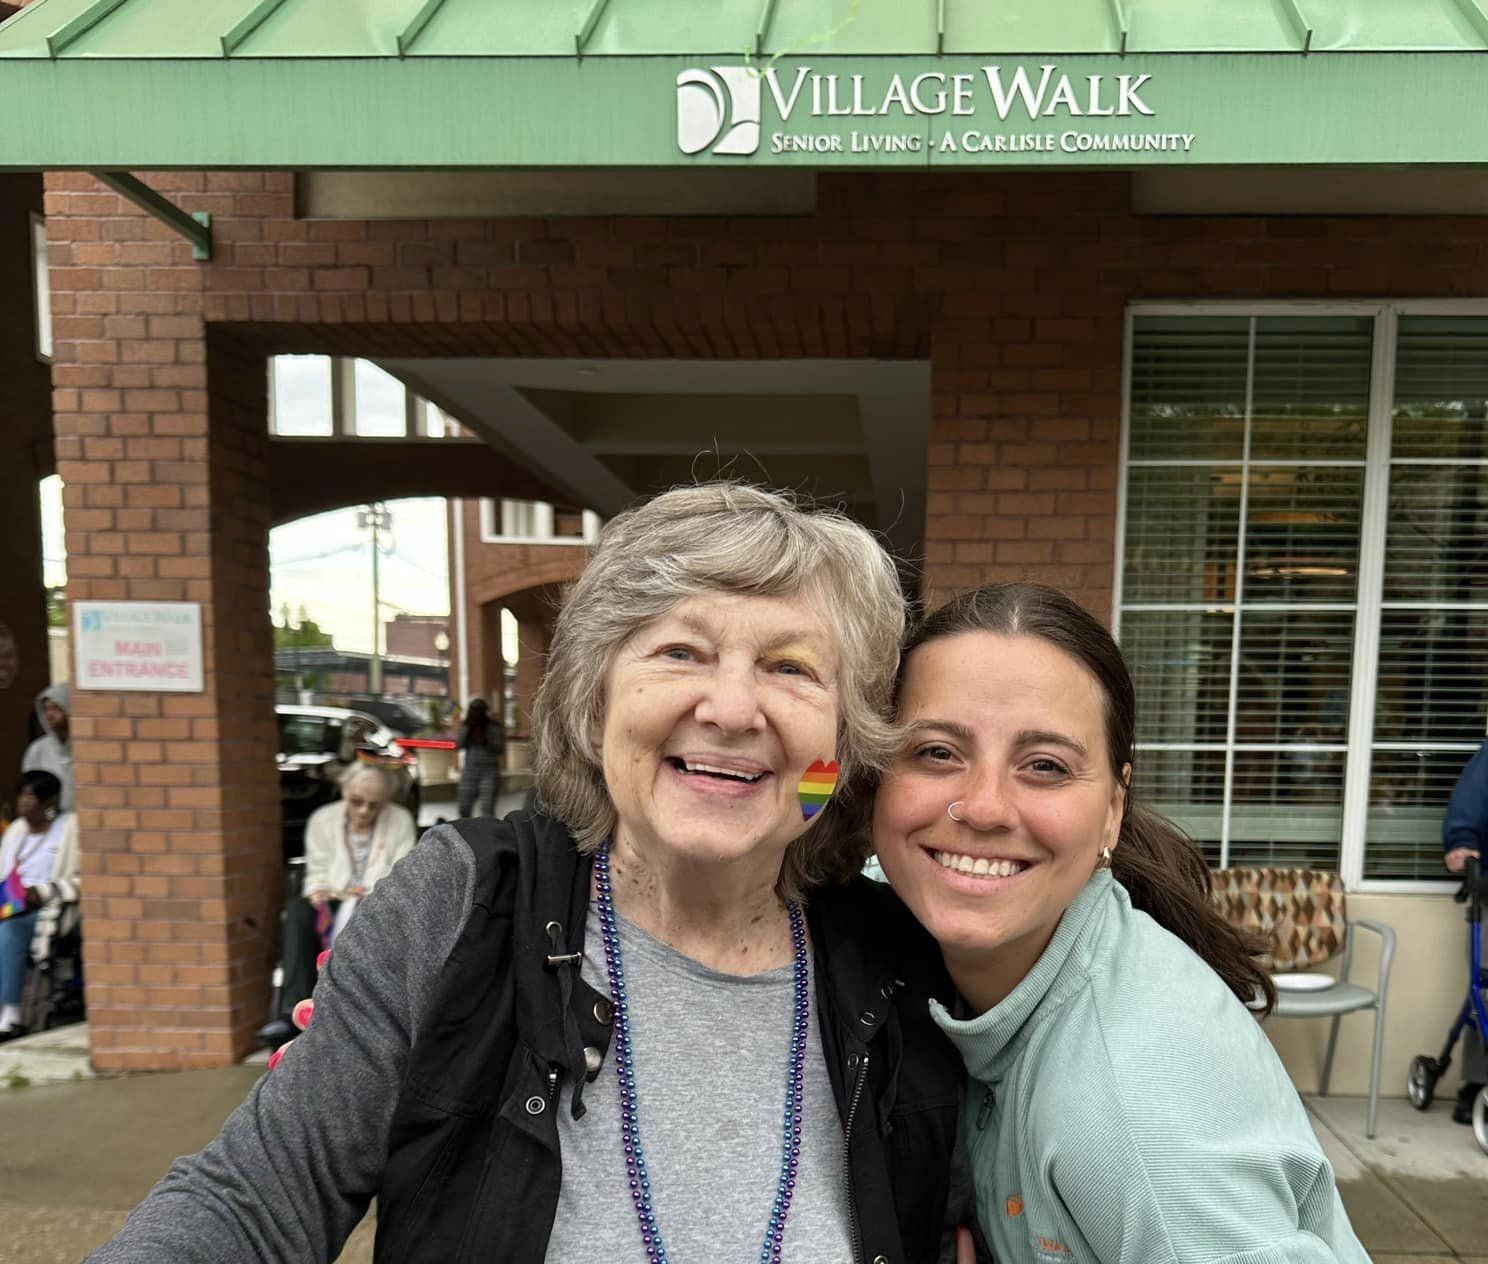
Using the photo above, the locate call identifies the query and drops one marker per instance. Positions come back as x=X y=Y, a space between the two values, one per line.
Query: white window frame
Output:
x=41 y=289
x=1368 y=601
x=490 y=527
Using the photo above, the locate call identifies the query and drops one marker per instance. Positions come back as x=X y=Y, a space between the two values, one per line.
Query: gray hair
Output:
x=357 y=769
x=724 y=538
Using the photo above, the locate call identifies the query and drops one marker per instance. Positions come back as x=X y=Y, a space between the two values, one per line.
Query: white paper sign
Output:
x=140 y=645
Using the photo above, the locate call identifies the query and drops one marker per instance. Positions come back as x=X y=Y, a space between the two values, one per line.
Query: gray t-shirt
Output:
x=711 y=1052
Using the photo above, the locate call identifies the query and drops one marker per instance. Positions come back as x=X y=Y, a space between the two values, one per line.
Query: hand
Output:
x=301 y=1015
x=319 y=899
x=1456 y=859
x=965 y=1246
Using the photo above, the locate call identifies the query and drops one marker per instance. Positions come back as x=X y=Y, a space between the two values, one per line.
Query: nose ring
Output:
x=951 y=811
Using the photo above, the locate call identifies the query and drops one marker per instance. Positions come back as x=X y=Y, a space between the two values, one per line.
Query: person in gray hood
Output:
x=52 y=751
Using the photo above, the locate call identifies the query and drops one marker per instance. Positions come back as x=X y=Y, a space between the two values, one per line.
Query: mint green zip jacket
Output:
x=1125 y=1108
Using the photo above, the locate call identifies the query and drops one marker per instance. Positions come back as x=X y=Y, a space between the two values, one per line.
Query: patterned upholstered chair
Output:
x=1304 y=913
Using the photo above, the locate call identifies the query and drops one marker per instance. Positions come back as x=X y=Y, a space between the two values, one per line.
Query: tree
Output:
x=305 y=634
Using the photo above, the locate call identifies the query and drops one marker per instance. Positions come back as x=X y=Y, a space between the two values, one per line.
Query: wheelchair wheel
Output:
x=1420 y=1086
x=1480 y=1119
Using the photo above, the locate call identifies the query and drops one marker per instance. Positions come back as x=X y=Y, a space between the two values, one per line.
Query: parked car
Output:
x=316 y=745
x=402 y=716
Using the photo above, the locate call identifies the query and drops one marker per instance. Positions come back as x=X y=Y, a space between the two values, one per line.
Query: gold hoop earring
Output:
x=1105 y=859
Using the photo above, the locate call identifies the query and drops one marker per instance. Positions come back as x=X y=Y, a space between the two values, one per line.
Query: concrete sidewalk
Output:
x=80 y=1152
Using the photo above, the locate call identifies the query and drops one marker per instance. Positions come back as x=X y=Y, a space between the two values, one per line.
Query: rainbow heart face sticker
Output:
x=816 y=787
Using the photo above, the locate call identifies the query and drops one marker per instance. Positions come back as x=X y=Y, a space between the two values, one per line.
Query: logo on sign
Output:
x=718 y=110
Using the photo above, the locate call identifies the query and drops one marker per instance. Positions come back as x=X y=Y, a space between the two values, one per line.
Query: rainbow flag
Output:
x=816 y=787
x=12 y=896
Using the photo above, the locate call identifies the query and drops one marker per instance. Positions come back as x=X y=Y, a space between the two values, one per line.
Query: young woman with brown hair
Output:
x=1129 y=1106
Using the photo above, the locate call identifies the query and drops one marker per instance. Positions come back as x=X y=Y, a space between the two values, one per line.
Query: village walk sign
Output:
x=995 y=110
x=839 y=111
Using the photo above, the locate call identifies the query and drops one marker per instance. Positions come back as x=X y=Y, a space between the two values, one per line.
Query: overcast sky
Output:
x=324 y=564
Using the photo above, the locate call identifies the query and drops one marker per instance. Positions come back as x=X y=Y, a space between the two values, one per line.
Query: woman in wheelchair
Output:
x=38 y=879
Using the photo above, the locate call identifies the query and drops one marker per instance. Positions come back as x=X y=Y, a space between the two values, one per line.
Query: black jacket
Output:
x=473 y=1167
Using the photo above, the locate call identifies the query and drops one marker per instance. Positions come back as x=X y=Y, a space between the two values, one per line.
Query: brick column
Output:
x=162 y=444
x=534 y=635
x=488 y=673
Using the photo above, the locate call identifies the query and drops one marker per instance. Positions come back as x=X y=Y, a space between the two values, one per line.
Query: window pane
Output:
x=1441 y=387
x=1180 y=665
x=1436 y=545
x=302 y=395
x=1295 y=673
x=41 y=280
x=1287 y=809
x=381 y=411
x=1269 y=417
x=1187 y=787
x=1433 y=676
x=1408 y=793
x=1302 y=533
x=1433 y=665
x=1188 y=388
x=1182 y=534
x=1311 y=389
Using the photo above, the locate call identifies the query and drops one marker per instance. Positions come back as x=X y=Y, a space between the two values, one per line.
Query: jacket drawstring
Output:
x=565 y=963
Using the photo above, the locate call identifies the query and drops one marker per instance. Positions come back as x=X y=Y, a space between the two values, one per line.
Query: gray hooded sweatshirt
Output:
x=49 y=753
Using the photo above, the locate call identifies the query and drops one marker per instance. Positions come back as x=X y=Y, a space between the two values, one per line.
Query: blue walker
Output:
x=1426 y=1070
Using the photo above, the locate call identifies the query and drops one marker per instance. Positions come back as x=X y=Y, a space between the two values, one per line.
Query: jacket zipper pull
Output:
x=984 y=1112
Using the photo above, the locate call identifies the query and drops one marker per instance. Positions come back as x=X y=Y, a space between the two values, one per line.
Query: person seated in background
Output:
x=39 y=873
x=351 y=844
x=52 y=751
x=1463 y=834
x=482 y=739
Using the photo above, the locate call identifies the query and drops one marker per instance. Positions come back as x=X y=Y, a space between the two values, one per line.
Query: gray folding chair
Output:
x=1305 y=913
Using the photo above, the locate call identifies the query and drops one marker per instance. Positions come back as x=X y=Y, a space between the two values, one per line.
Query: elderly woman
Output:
x=351 y=844
x=658 y=1019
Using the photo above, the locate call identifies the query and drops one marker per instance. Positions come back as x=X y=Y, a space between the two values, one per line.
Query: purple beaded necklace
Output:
x=630 y=1126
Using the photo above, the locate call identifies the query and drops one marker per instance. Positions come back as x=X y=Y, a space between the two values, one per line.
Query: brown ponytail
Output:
x=1161 y=869
x=1167 y=878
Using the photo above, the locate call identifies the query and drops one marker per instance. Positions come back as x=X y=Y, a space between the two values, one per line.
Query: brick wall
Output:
x=525 y=577
x=1012 y=285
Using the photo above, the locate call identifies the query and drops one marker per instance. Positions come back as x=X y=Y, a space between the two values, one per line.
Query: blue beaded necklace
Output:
x=630 y=1127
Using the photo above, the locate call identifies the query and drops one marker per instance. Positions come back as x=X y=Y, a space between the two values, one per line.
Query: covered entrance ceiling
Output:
x=606 y=432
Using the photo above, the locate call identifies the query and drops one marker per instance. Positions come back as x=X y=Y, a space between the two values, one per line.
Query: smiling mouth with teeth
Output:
x=696 y=768
x=980 y=866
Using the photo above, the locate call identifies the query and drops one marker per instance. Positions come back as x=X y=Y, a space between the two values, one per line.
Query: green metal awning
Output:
x=121 y=84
